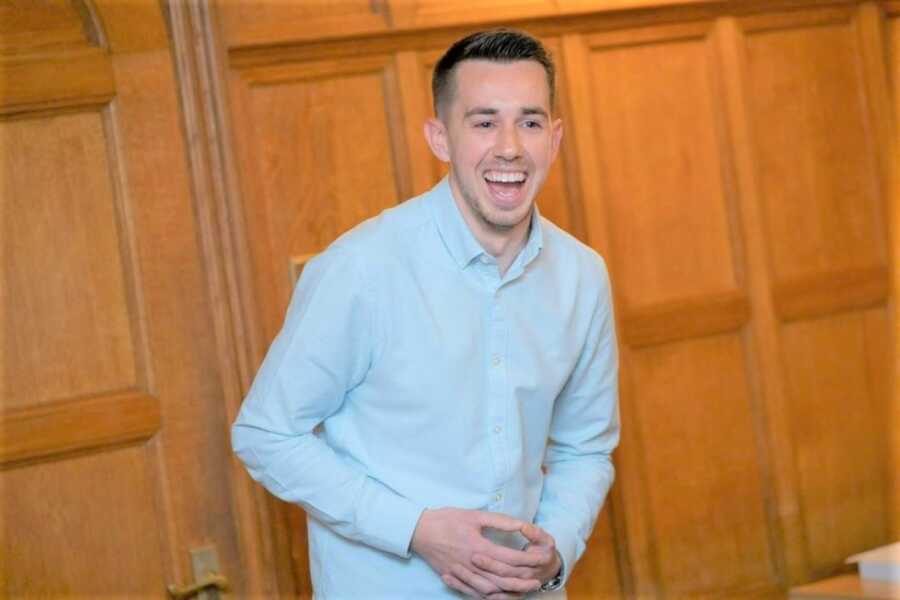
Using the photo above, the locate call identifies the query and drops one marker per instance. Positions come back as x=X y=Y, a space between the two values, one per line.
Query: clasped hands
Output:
x=451 y=541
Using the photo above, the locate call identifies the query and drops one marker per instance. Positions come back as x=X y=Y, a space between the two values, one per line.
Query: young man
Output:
x=434 y=358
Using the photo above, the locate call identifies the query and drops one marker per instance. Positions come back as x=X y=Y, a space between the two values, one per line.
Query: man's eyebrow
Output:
x=534 y=110
x=480 y=110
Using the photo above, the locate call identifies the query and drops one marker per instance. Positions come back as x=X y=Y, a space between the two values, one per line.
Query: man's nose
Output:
x=509 y=144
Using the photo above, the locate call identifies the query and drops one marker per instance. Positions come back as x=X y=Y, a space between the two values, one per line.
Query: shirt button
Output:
x=498 y=497
x=497 y=429
x=496 y=361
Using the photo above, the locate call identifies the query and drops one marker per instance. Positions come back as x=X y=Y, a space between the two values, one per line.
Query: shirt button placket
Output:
x=497 y=395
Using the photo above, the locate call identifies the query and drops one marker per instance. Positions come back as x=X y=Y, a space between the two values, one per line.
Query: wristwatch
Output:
x=554 y=583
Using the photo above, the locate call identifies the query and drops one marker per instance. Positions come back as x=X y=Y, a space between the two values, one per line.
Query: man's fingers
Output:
x=475 y=581
x=513 y=584
x=500 y=521
x=486 y=563
x=514 y=558
x=536 y=535
x=459 y=586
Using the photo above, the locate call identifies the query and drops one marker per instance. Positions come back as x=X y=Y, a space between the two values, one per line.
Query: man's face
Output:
x=498 y=135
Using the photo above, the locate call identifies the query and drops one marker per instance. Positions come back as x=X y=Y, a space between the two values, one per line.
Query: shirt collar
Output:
x=458 y=238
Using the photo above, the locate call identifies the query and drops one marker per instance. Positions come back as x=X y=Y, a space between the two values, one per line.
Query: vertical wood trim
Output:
x=764 y=353
x=632 y=521
x=875 y=46
x=199 y=60
x=394 y=109
x=415 y=112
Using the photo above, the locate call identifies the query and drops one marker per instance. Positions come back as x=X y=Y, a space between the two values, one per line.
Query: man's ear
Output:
x=436 y=136
x=557 y=133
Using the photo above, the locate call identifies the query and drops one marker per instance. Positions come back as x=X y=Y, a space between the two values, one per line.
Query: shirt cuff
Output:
x=566 y=545
x=391 y=521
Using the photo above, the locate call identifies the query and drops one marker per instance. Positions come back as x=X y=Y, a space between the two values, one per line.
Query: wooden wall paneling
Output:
x=841 y=445
x=86 y=526
x=62 y=223
x=816 y=146
x=113 y=433
x=631 y=528
x=192 y=450
x=810 y=199
x=412 y=14
x=200 y=60
x=414 y=80
x=880 y=34
x=785 y=513
x=61 y=80
x=892 y=37
x=315 y=160
x=38 y=28
x=45 y=430
x=264 y=22
x=663 y=157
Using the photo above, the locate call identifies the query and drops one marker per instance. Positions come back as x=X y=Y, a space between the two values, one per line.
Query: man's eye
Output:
x=484 y=124
x=533 y=124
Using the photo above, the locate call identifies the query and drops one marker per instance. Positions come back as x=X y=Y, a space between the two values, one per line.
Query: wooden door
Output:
x=114 y=456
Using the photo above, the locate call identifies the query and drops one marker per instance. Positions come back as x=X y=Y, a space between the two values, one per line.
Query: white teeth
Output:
x=505 y=176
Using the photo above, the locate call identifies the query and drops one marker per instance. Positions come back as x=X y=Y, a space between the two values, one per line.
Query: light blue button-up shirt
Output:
x=410 y=375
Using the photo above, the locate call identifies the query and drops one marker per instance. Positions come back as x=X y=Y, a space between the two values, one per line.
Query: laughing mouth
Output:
x=506 y=187
x=510 y=177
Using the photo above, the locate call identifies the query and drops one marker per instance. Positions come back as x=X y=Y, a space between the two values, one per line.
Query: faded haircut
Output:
x=499 y=45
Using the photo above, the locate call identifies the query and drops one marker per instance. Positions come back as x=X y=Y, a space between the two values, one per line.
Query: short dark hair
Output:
x=498 y=45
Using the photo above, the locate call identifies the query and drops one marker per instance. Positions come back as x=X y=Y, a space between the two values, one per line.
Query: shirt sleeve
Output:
x=583 y=433
x=324 y=350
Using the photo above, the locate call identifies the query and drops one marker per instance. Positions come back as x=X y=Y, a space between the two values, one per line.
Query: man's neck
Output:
x=504 y=244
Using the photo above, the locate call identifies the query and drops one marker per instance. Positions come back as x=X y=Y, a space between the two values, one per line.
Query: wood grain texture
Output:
x=70 y=426
x=687 y=318
x=597 y=574
x=192 y=452
x=827 y=293
x=815 y=152
x=660 y=141
x=883 y=31
x=273 y=21
x=202 y=84
x=839 y=418
x=76 y=78
x=28 y=28
x=704 y=484
x=316 y=161
x=91 y=535
x=893 y=35
x=69 y=322
x=785 y=517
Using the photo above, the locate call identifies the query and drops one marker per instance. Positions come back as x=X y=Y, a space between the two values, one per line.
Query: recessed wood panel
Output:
x=815 y=165
x=662 y=165
x=67 y=322
x=319 y=160
x=703 y=477
x=72 y=529
x=837 y=371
